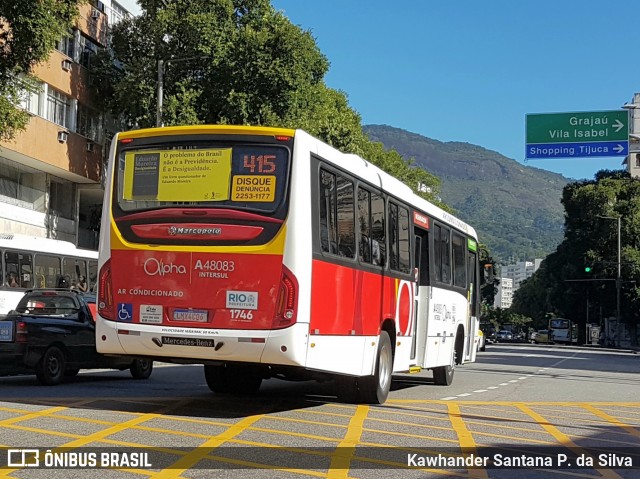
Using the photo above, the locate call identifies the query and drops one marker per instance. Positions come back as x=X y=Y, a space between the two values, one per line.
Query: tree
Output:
x=235 y=62
x=29 y=31
x=489 y=283
x=499 y=317
x=555 y=288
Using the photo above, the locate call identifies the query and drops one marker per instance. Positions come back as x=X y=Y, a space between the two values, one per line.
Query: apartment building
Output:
x=504 y=295
x=520 y=271
x=51 y=174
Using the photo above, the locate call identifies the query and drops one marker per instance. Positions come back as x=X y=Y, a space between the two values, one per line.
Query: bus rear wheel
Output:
x=375 y=389
x=443 y=375
x=232 y=379
x=370 y=389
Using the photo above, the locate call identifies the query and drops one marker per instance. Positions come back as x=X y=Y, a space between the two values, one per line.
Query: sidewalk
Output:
x=630 y=349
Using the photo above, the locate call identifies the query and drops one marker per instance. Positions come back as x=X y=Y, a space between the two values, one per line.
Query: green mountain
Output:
x=515 y=209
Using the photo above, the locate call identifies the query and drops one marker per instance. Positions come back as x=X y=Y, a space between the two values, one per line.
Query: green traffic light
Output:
x=588 y=269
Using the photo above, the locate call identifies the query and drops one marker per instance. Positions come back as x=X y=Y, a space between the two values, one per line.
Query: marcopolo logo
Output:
x=182 y=230
x=242 y=300
x=157 y=267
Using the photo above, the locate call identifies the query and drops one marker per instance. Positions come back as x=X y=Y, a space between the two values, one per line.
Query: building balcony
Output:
x=49 y=147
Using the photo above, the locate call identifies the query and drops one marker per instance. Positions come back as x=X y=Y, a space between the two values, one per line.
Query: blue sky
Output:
x=469 y=70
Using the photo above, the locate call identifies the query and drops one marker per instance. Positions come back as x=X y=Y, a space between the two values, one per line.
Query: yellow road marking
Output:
x=345 y=451
x=196 y=455
x=603 y=415
x=465 y=438
x=563 y=439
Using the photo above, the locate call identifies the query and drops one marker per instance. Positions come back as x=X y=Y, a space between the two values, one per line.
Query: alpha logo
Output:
x=153 y=267
x=181 y=230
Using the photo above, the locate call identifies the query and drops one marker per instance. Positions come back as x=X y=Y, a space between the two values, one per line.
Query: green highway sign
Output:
x=582 y=134
x=578 y=127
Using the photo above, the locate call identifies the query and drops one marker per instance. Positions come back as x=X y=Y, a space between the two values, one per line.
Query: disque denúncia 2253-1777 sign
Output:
x=577 y=135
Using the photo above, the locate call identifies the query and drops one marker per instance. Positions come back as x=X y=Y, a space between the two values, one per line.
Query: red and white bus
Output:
x=28 y=262
x=264 y=252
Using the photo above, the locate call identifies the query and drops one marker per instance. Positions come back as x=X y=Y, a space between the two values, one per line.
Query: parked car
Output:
x=52 y=333
x=504 y=335
x=542 y=336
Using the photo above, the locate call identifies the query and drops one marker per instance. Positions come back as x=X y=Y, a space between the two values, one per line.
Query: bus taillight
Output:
x=105 y=294
x=287 y=300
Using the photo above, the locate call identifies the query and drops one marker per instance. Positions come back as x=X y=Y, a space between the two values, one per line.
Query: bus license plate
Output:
x=193 y=315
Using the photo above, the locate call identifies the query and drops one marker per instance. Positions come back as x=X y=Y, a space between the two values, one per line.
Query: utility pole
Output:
x=618 y=282
x=160 y=92
x=618 y=276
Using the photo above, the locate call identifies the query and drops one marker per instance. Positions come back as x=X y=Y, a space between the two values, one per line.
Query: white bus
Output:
x=264 y=252
x=33 y=262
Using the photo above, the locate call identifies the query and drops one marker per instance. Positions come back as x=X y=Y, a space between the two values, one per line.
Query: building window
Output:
x=65 y=45
x=22 y=186
x=117 y=13
x=88 y=50
x=60 y=199
x=58 y=107
x=30 y=96
x=88 y=123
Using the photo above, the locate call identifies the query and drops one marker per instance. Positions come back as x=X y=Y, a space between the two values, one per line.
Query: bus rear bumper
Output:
x=283 y=347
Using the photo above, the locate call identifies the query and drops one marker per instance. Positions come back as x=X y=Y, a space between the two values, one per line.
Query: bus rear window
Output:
x=239 y=176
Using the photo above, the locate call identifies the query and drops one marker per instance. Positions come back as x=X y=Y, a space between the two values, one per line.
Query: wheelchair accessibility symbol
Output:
x=125 y=311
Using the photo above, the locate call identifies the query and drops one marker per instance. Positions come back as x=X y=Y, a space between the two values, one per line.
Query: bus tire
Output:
x=232 y=379
x=375 y=389
x=141 y=368
x=50 y=368
x=443 y=375
x=347 y=388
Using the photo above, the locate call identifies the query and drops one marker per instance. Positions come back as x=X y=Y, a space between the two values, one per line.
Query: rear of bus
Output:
x=192 y=244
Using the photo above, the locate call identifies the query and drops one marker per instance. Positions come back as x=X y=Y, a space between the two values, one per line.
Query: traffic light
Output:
x=488 y=272
x=588 y=269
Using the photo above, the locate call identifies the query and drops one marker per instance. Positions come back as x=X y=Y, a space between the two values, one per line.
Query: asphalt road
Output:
x=527 y=402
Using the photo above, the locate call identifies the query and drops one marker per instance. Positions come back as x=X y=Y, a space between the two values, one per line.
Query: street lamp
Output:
x=619 y=276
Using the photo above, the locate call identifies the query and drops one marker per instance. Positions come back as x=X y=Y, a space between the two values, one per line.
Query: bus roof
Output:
x=44 y=245
x=207 y=129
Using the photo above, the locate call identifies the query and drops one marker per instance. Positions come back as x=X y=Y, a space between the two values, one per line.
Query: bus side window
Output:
x=364 y=221
x=378 y=243
x=326 y=193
